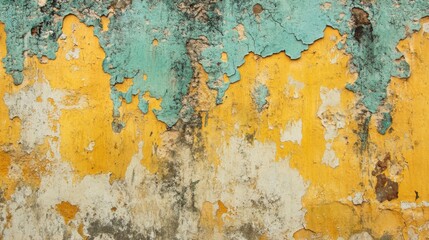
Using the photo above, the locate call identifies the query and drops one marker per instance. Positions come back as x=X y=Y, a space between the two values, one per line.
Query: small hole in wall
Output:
x=155 y=42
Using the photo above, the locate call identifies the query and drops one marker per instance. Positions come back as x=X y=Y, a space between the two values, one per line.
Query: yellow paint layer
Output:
x=87 y=140
x=10 y=130
x=408 y=141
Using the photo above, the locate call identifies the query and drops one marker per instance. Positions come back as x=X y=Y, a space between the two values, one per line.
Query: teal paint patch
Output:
x=33 y=30
x=260 y=94
x=237 y=28
x=385 y=123
x=373 y=47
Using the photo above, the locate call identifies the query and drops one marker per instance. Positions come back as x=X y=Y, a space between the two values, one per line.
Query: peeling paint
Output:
x=211 y=119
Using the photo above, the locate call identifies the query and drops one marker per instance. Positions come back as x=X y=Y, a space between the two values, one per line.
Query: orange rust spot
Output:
x=67 y=210
x=220 y=211
x=224 y=57
x=263 y=237
x=155 y=42
x=81 y=233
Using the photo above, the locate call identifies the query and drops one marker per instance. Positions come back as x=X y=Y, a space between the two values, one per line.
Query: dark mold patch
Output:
x=116 y=229
x=417 y=195
x=386 y=237
x=360 y=17
x=117 y=126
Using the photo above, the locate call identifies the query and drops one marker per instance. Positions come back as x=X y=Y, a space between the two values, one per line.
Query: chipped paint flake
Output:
x=297 y=87
x=73 y=54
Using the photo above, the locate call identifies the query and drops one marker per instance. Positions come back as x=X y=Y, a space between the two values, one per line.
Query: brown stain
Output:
x=381 y=165
x=360 y=22
x=257 y=9
x=385 y=188
x=67 y=210
x=360 y=17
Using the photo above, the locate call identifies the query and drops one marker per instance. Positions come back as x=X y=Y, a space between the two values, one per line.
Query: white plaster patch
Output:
x=241 y=32
x=39 y=108
x=255 y=188
x=292 y=132
x=357 y=199
x=249 y=175
x=425 y=27
x=297 y=85
x=334 y=59
x=412 y=205
x=73 y=54
x=412 y=235
x=361 y=236
x=332 y=119
x=90 y=146
x=33 y=106
x=329 y=157
x=41 y=3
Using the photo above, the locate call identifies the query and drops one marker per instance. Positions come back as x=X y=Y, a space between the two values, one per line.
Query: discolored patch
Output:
x=385 y=188
x=257 y=9
x=67 y=210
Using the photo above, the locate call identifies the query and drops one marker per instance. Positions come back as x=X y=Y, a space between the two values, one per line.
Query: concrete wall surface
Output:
x=214 y=119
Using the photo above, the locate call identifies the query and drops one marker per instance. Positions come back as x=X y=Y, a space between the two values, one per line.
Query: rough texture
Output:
x=214 y=119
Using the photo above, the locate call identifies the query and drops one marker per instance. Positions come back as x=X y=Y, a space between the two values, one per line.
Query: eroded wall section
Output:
x=214 y=119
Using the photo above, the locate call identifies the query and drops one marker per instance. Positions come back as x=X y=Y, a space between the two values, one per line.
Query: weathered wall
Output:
x=214 y=119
